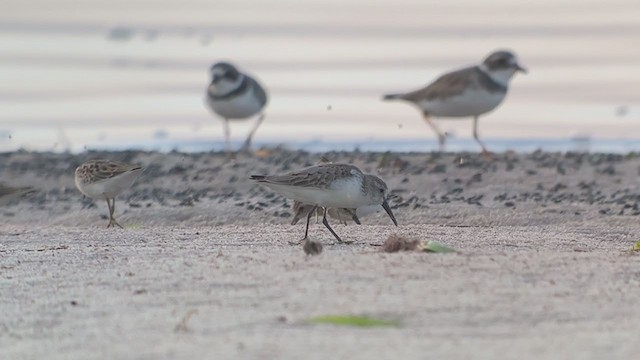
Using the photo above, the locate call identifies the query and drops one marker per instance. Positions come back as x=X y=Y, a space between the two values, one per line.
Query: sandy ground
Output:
x=203 y=268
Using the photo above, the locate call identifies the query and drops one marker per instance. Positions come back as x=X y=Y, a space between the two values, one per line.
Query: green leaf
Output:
x=353 y=320
x=436 y=247
x=636 y=247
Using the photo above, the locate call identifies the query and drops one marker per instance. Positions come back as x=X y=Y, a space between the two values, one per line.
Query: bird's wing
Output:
x=108 y=169
x=316 y=176
x=449 y=84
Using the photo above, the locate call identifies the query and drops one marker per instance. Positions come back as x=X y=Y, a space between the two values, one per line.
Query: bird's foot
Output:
x=246 y=147
x=488 y=155
x=114 y=223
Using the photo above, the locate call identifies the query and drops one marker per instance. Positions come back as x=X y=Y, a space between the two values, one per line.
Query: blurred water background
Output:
x=120 y=74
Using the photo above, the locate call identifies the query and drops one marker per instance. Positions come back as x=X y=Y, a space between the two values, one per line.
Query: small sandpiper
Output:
x=300 y=210
x=471 y=91
x=340 y=186
x=105 y=179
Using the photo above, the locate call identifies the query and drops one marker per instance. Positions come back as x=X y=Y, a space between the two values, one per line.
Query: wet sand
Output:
x=203 y=268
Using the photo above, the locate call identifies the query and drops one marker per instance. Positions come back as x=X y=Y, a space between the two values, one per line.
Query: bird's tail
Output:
x=258 y=177
x=392 y=97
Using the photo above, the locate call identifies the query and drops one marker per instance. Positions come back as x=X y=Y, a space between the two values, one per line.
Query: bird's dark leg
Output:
x=354 y=217
x=441 y=136
x=306 y=231
x=247 y=143
x=326 y=223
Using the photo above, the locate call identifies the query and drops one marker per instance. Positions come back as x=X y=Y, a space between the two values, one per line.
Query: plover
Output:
x=8 y=193
x=329 y=186
x=471 y=91
x=234 y=95
x=105 y=179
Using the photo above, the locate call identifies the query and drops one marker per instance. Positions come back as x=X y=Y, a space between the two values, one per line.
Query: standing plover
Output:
x=470 y=91
x=329 y=186
x=8 y=193
x=104 y=179
x=234 y=96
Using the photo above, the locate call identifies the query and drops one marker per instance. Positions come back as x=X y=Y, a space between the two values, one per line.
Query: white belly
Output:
x=367 y=210
x=239 y=107
x=109 y=188
x=346 y=194
x=470 y=103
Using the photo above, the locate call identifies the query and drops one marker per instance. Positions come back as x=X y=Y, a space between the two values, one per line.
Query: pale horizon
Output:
x=110 y=73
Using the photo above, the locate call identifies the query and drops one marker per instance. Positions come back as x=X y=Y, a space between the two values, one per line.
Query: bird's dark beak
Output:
x=386 y=207
x=215 y=79
x=521 y=69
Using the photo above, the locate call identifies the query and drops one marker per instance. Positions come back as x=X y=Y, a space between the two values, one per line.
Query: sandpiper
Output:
x=301 y=210
x=329 y=186
x=8 y=193
x=105 y=179
x=471 y=91
x=234 y=95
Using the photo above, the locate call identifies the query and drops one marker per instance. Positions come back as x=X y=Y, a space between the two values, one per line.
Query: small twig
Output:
x=182 y=326
x=61 y=247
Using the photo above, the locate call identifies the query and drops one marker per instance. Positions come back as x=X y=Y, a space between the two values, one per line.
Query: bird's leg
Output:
x=227 y=136
x=247 y=143
x=110 y=214
x=354 y=217
x=306 y=231
x=326 y=223
x=487 y=154
x=441 y=136
x=113 y=210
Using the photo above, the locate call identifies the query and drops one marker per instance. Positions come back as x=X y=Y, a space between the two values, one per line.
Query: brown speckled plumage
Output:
x=96 y=170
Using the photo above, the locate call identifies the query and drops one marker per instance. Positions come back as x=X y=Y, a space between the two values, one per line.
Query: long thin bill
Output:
x=386 y=207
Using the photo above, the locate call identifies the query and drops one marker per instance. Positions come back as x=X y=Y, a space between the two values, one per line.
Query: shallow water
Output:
x=108 y=74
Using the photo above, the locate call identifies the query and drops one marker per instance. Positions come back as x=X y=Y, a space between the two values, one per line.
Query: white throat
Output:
x=502 y=77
